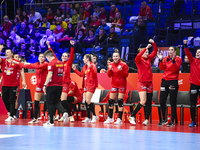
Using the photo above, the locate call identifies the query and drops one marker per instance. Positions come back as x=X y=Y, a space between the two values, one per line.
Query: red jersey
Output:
x=112 y=14
x=76 y=92
x=120 y=21
x=144 y=12
x=171 y=70
x=68 y=66
x=97 y=23
x=89 y=75
x=9 y=73
x=41 y=71
x=118 y=76
x=56 y=67
x=144 y=65
x=194 y=68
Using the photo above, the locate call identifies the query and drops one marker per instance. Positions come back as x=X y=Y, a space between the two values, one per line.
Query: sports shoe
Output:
x=132 y=120
x=15 y=117
x=163 y=122
x=9 y=119
x=192 y=124
x=87 y=120
x=71 y=119
x=94 y=119
x=33 y=121
x=119 y=121
x=109 y=120
x=61 y=119
x=48 y=124
x=65 y=117
x=171 y=124
x=56 y=118
x=146 y=122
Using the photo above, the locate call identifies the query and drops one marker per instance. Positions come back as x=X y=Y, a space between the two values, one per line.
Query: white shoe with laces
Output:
x=61 y=119
x=119 y=121
x=57 y=118
x=65 y=117
x=33 y=121
x=71 y=119
x=87 y=120
x=146 y=122
x=48 y=124
x=9 y=119
x=109 y=120
x=132 y=120
x=94 y=119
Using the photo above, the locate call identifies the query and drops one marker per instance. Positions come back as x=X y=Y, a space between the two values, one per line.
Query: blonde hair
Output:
x=140 y=49
x=116 y=51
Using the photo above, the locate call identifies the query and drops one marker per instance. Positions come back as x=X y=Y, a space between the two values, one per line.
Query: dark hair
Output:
x=48 y=53
x=82 y=7
x=22 y=59
x=95 y=55
x=88 y=56
x=76 y=10
x=102 y=29
x=10 y=50
x=110 y=59
x=40 y=54
x=91 y=30
x=113 y=26
x=173 y=47
x=32 y=9
x=60 y=12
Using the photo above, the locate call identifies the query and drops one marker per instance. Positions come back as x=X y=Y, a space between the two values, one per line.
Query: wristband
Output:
x=160 y=60
x=45 y=85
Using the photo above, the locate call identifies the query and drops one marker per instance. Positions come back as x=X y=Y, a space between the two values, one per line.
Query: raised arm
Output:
x=189 y=55
x=71 y=57
x=139 y=55
x=155 y=50
x=49 y=47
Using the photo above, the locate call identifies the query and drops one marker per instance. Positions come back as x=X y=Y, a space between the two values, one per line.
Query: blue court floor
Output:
x=21 y=137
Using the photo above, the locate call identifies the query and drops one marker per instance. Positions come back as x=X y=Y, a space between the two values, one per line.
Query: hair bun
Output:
x=116 y=51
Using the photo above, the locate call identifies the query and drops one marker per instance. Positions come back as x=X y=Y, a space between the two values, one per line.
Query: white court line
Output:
x=9 y=135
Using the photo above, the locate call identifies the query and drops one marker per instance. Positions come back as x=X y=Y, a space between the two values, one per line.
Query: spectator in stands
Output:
x=53 y=25
x=22 y=32
x=95 y=22
x=38 y=37
x=80 y=26
x=7 y=25
x=70 y=32
x=105 y=26
x=113 y=12
x=45 y=24
x=89 y=41
x=62 y=23
x=97 y=11
x=45 y=38
x=145 y=11
x=23 y=51
x=59 y=13
x=19 y=14
x=34 y=16
x=37 y=23
x=31 y=31
x=75 y=17
x=9 y=44
x=68 y=18
x=33 y=49
x=118 y=22
x=50 y=15
x=87 y=6
x=101 y=41
x=79 y=38
x=84 y=16
x=5 y=35
x=104 y=70
x=113 y=37
x=59 y=32
x=104 y=14
x=16 y=25
x=186 y=59
x=25 y=16
x=62 y=6
x=16 y=38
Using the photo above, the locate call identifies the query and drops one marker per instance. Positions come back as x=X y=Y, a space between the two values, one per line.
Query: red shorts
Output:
x=65 y=88
x=39 y=89
x=89 y=90
x=79 y=98
x=145 y=86
x=118 y=90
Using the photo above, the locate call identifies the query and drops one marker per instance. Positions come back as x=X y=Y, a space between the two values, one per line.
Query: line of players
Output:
x=117 y=70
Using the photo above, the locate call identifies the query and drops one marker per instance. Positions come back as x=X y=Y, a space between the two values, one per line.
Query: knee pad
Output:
x=70 y=99
x=120 y=102
x=111 y=102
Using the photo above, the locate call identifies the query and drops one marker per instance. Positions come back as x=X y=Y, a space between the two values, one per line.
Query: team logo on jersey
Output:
x=38 y=89
x=33 y=80
x=114 y=89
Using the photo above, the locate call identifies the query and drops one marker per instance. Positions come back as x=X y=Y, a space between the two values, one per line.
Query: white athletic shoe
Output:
x=87 y=120
x=119 y=121
x=9 y=119
x=15 y=117
x=61 y=119
x=132 y=120
x=71 y=119
x=57 y=118
x=94 y=119
x=33 y=121
x=48 y=124
x=65 y=117
x=109 y=120
x=146 y=122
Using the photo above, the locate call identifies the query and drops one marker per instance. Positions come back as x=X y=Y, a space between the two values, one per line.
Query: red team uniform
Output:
x=90 y=81
x=144 y=70
x=41 y=74
x=76 y=92
x=118 y=77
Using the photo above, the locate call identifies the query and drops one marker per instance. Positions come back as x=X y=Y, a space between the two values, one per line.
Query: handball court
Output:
x=18 y=135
